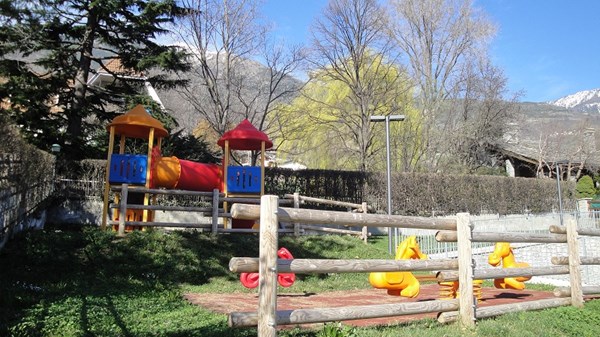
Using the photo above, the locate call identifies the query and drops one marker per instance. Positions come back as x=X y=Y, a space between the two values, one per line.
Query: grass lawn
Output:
x=84 y=282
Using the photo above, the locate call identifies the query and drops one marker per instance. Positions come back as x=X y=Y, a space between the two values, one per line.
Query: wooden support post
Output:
x=296 y=205
x=226 y=223
x=145 y=214
x=122 y=210
x=574 y=264
x=465 y=270
x=267 y=281
x=215 y=212
x=365 y=229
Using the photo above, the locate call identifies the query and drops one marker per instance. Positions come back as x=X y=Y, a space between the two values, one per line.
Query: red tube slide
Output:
x=171 y=172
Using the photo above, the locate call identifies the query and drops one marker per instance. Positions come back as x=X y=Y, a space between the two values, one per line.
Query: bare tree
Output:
x=228 y=42
x=350 y=47
x=438 y=37
x=488 y=109
x=571 y=144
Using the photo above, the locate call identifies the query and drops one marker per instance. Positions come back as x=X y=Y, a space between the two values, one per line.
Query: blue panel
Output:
x=128 y=169
x=243 y=179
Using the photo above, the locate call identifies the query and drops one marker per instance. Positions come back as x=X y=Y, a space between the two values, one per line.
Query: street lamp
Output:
x=560 y=209
x=387 y=120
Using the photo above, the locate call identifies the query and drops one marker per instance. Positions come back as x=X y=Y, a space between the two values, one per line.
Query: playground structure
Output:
x=250 y=280
x=138 y=180
x=503 y=255
x=406 y=284
x=462 y=269
x=400 y=283
x=150 y=173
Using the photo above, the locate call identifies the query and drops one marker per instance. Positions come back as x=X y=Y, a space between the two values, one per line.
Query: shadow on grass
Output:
x=93 y=282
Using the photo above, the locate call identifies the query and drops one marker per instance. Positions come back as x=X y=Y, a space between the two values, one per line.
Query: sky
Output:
x=547 y=49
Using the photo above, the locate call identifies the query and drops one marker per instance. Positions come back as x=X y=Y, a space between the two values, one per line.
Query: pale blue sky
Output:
x=547 y=48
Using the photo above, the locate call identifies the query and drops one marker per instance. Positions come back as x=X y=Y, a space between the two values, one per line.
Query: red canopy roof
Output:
x=245 y=137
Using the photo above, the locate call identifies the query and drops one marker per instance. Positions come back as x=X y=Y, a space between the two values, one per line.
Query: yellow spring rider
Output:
x=400 y=283
x=503 y=253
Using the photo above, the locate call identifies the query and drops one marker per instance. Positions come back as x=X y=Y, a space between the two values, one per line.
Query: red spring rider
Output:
x=250 y=280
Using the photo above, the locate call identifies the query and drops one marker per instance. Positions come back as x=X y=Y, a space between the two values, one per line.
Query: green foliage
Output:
x=328 y=125
x=585 y=187
x=49 y=51
x=335 y=185
x=189 y=147
x=337 y=330
x=84 y=282
x=421 y=193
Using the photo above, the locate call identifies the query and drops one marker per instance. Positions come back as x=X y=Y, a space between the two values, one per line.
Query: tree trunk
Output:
x=77 y=110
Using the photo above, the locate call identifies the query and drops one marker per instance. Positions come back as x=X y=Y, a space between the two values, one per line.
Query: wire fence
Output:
x=536 y=254
x=20 y=202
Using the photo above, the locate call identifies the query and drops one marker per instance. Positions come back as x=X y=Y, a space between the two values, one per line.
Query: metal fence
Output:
x=536 y=255
x=20 y=203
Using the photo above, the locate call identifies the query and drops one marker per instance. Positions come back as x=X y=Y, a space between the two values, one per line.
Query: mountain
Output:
x=251 y=78
x=565 y=129
x=584 y=101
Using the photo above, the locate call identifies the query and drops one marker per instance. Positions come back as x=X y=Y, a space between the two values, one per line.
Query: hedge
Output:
x=412 y=193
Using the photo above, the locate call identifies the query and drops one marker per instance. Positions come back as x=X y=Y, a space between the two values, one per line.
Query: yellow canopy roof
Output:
x=136 y=123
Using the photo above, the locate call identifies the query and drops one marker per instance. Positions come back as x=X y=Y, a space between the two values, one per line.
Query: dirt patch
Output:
x=248 y=302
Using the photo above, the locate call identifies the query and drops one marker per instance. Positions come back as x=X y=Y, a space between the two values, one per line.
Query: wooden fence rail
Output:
x=463 y=269
x=213 y=201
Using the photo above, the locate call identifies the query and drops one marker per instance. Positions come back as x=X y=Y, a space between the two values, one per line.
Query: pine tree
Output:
x=50 y=48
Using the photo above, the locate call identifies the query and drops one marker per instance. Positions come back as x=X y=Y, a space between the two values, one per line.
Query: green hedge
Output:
x=412 y=193
x=425 y=194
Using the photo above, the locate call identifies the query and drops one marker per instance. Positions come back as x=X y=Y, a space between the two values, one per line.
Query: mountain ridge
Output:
x=584 y=101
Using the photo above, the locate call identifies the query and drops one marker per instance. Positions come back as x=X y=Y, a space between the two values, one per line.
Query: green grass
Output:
x=85 y=283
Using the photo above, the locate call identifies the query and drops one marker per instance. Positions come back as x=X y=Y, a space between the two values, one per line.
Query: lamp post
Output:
x=560 y=209
x=387 y=120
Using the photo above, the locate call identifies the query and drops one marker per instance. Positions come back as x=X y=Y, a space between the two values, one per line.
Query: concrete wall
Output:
x=89 y=212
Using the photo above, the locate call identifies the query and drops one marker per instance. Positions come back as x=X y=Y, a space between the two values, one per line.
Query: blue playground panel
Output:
x=243 y=179
x=128 y=169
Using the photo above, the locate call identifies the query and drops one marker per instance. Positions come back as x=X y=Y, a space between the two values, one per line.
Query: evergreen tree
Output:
x=585 y=187
x=50 y=48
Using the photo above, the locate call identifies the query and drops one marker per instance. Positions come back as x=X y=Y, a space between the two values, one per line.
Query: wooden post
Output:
x=296 y=205
x=148 y=169
x=267 y=281
x=465 y=270
x=365 y=229
x=262 y=167
x=574 y=264
x=122 y=210
x=215 y=212
x=225 y=187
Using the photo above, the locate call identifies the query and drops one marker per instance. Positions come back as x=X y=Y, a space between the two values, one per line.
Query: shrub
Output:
x=585 y=187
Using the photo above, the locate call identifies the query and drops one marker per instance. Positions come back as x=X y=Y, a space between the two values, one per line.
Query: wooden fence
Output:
x=213 y=209
x=464 y=309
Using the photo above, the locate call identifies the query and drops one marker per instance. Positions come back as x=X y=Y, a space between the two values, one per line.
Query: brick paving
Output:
x=248 y=302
